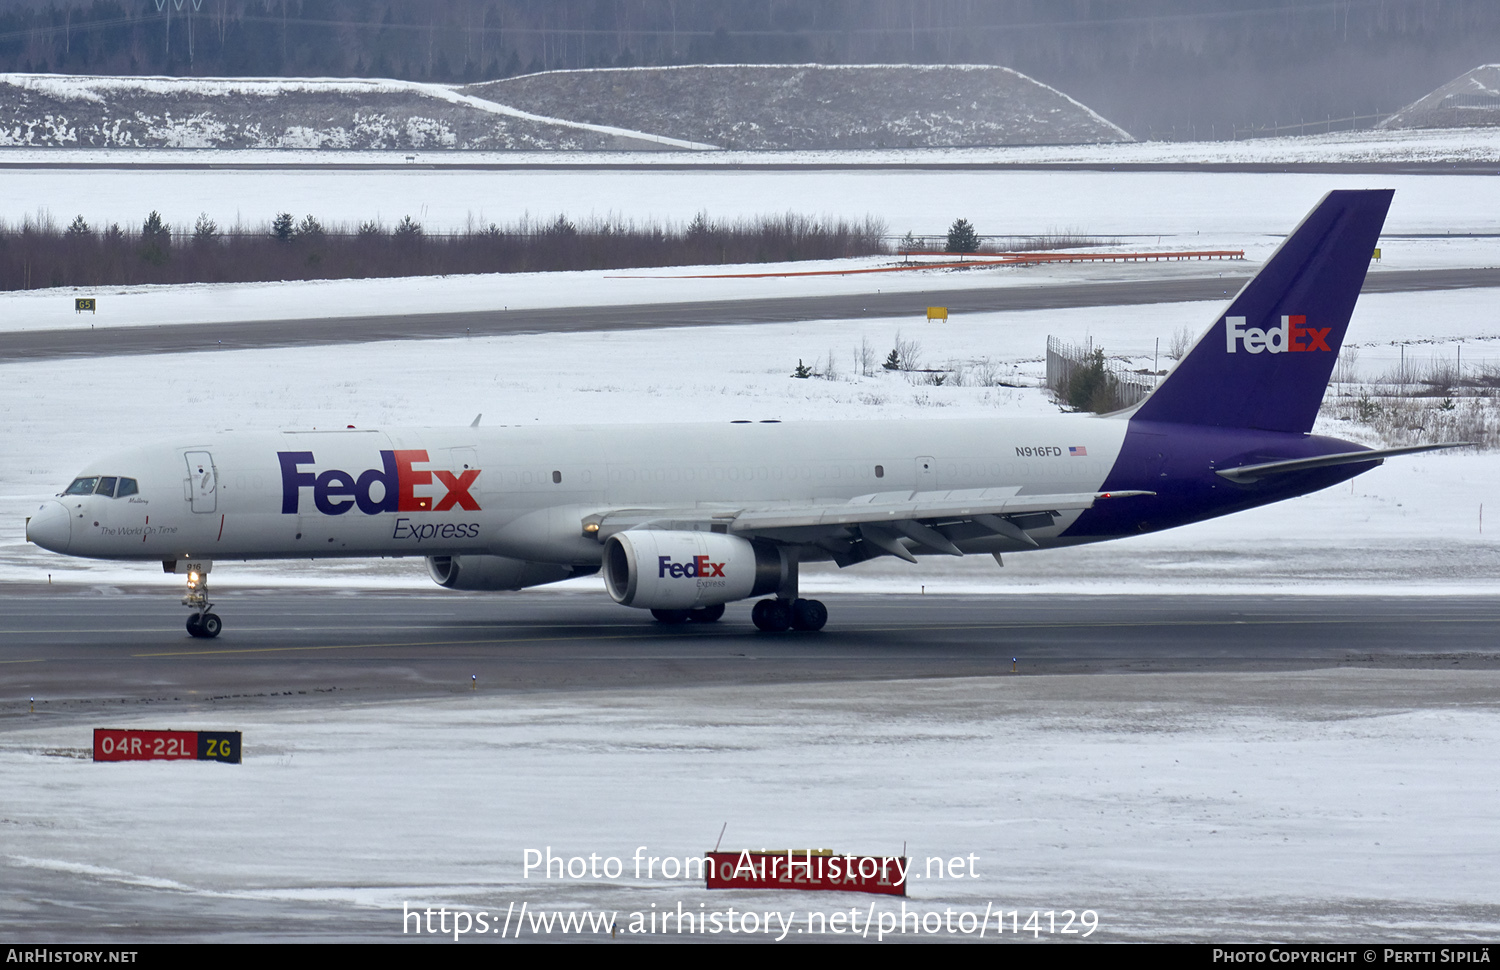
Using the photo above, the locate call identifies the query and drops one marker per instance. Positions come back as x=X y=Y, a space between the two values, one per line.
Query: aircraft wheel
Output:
x=211 y=626
x=809 y=615
x=195 y=625
x=771 y=616
x=670 y=616
x=707 y=614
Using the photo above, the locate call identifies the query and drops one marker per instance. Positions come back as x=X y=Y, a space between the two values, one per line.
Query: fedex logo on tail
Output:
x=335 y=491
x=1291 y=337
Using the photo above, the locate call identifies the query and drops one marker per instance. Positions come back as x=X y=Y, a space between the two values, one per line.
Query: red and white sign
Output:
x=119 y=744
x=817 y=869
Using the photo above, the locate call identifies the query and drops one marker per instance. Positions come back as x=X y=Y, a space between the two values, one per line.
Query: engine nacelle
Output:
x=498 y=572
x=659 y=570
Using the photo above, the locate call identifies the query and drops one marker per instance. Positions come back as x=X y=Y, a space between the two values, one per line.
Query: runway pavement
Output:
x=178 y=338
x=81 y=650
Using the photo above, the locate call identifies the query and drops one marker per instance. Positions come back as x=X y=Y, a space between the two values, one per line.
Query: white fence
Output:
x=1065 y=360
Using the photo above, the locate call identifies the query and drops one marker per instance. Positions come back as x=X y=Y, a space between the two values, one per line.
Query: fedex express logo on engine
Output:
x=1290 y=337
x=335 y=491
x=698 y=567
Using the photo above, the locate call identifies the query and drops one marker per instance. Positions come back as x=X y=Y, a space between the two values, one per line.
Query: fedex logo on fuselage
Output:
x=697 y=567
x=335 y=491
x=1290 y=337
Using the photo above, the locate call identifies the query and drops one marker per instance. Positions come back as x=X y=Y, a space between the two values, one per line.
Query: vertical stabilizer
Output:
x=1266 y=360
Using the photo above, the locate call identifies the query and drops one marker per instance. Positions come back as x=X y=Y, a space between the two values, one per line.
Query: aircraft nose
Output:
x=50 y=527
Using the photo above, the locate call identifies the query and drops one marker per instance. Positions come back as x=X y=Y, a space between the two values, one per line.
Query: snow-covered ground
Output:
x=1330 y=805
x=154 y=306
x=1135 y=206
x=1141 y=210
x=133 y=306
x=1451 y=145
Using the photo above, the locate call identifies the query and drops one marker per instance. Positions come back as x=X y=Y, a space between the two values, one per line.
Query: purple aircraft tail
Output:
x=1266 y=361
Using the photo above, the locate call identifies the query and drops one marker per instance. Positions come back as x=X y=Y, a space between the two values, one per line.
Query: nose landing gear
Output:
x=202 y=623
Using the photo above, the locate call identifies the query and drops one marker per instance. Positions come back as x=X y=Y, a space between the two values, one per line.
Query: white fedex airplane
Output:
x=685 y=518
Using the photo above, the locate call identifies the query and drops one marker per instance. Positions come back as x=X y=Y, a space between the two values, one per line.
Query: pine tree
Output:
x=153 y=230
x=962 y=238
x=205 y=229
x=156 y=239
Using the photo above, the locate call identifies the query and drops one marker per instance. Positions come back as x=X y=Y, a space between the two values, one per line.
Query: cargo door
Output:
x=202 y=482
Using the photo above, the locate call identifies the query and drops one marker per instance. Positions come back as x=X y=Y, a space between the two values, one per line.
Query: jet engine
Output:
x=498 y=572
x=660 y=570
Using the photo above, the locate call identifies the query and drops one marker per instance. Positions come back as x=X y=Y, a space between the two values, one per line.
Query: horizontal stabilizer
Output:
x=1245 y=474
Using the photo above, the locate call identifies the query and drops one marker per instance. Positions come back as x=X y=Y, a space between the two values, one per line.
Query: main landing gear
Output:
x=788 y=611
x=202 y=623
x=779 y=615
x=771 y=616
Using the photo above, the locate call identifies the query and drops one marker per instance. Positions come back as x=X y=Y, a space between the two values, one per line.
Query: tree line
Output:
x=40 y=253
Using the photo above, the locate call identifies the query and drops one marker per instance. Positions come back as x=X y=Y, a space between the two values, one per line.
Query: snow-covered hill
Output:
x=52 y=110
x=724 y=106
x=1468 y=101
x=815 y=106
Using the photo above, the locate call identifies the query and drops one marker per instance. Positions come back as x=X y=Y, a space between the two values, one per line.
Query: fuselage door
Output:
x=463 y=459
x=927 y=476
x=203 y=482
x=465 y=463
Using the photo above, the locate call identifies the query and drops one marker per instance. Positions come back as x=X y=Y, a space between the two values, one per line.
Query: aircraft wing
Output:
x=881 y=519
x=916 y=506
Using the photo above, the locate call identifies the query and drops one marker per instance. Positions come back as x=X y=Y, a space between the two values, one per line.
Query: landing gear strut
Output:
x=202 y=623
x=787 y=611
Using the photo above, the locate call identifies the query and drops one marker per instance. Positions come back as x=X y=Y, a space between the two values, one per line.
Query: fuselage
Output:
x=524 y=492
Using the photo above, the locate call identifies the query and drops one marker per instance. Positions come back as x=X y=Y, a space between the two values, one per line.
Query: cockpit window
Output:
x=106 y=485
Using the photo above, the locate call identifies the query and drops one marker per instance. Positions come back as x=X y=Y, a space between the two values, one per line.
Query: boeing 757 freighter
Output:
x=684 y=518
